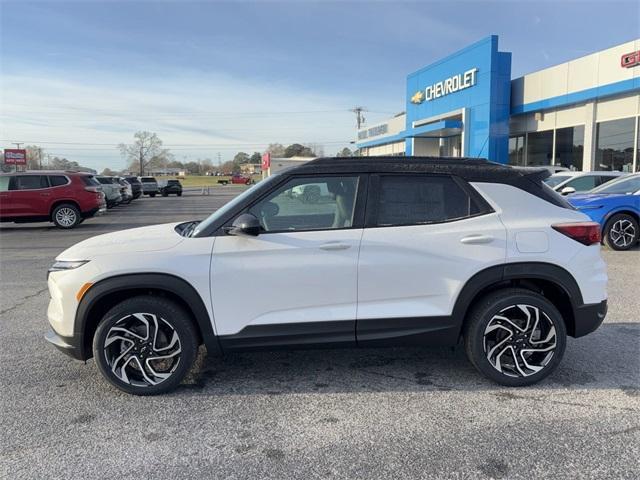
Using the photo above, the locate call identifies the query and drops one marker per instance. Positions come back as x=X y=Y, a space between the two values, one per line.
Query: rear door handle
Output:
x=476 y=239
x=45 y=194
x=334 y=246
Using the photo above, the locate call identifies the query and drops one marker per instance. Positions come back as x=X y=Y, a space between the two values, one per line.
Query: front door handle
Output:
x=476 y=239
x=334 y=246
x=45 y=194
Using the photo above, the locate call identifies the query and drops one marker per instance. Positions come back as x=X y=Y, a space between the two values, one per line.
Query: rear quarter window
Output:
x=90 y=181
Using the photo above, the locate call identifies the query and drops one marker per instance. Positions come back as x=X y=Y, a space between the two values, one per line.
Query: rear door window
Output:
x=422 y=199
x=58 y=180
x=4 y=183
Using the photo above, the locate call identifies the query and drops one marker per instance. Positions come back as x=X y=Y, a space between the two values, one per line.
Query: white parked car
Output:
x=401 y=251
x=568 y=183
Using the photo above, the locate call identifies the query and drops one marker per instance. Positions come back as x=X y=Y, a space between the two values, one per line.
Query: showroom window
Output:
x=516 y=150
x=540 y=148
x=614 y=144
x=570 y=147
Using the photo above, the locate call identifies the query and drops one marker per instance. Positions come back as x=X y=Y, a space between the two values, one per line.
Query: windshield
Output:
x=622 y=186
x=227 y=207
x=555 y=180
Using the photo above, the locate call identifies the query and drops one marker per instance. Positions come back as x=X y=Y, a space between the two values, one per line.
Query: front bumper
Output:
x=67 y=345
x=589 y=317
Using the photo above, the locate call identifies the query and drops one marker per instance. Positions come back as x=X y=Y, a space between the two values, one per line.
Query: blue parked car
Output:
x=616 y=207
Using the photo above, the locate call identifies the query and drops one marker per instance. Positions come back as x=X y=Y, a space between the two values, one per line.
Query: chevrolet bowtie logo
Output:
x=418 y=97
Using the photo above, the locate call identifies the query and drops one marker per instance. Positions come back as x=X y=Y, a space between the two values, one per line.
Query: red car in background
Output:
x=242 y=179
x=237 y=178
x=64 y=198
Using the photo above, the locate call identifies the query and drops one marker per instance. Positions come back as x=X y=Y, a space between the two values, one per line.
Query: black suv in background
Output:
x=136 y=186
x=171 y=187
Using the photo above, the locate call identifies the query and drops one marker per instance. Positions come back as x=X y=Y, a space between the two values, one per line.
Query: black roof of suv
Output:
x=471 y=169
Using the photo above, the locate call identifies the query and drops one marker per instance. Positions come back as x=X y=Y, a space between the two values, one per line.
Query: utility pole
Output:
x=359 y=116
x=18 y=147
x=141 y=163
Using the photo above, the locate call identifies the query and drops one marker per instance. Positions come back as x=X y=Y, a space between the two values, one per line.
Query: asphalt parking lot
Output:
x=379 y=413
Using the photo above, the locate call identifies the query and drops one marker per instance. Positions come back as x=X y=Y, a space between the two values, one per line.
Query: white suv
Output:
x=394 y=251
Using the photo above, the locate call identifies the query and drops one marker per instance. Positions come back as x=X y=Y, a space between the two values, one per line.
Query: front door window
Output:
x=304 y=204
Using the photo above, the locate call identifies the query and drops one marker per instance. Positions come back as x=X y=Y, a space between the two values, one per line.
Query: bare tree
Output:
x=146 y=150
x=276 y=150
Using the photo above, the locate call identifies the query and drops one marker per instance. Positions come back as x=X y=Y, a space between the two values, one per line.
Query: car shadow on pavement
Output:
x=607 y=359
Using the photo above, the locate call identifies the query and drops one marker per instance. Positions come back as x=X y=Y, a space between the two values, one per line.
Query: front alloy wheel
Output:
x=515 y=337
x=145 y=345
x=142 y=349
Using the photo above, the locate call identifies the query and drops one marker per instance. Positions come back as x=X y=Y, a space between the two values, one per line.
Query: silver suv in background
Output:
x=111 y=190
x=149 y=186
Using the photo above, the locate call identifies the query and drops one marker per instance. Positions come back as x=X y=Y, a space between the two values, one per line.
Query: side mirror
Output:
x=245 y=225
x=568 y=191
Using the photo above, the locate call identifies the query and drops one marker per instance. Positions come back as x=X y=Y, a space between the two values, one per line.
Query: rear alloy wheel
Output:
x=515 y=337
x=66 y=216
x=145 y=345
x=621 y=232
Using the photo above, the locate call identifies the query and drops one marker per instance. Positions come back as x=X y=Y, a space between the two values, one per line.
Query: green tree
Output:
x=256 y=157
x=298 y=150
x=241 y=158
x=345 y=152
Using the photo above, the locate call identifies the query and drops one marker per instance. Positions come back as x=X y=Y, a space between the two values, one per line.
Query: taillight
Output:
x=92 y=189
x=587 y=233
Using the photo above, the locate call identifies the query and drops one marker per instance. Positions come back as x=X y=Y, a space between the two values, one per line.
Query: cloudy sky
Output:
x=213 y=78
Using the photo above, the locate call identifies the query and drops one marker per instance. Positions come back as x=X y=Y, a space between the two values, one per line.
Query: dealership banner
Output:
x=15 y=156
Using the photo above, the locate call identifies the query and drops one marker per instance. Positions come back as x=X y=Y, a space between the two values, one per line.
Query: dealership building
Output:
x=582 y=114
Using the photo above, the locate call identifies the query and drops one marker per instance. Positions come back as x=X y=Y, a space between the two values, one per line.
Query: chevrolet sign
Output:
x=445 y=87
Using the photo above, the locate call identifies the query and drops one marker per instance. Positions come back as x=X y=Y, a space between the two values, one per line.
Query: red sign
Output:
x=15 y=156
x=266 y=161
x=629 y=60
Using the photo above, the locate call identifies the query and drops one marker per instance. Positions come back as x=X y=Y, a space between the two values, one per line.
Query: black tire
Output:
x=621 y=232
x=507 y=302
x=179 y=194
x=171 y=319
x=66 y=216
x=165 y=194
x=152 y=195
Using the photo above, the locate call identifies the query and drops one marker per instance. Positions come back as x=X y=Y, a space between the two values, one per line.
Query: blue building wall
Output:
x=487 y=101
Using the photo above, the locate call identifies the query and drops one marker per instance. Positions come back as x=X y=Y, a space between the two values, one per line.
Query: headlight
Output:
x=66 y=265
